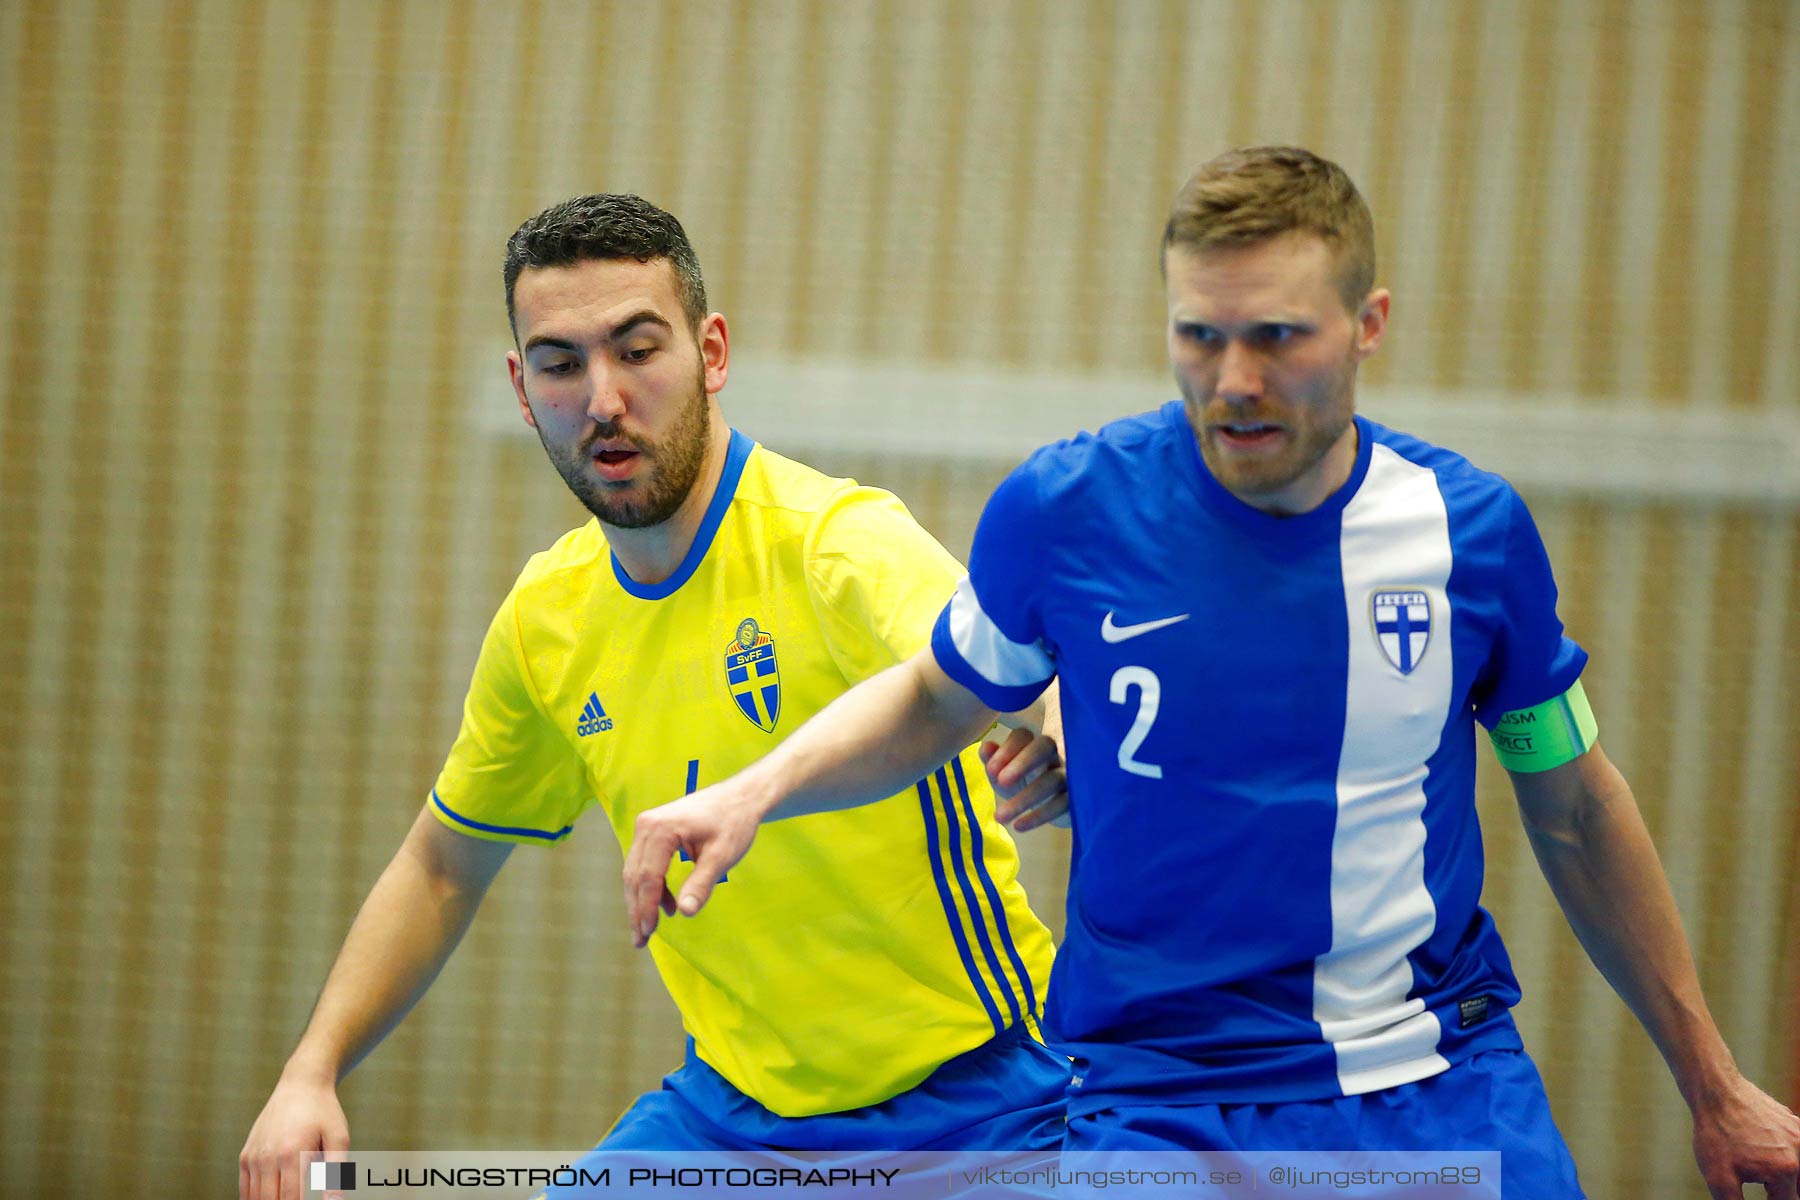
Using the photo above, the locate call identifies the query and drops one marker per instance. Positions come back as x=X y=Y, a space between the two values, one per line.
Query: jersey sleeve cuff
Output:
x=999 y=697
x=494 y=833
x=1571 y=661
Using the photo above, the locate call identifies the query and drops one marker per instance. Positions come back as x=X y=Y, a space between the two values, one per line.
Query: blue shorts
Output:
x=1007 y=1094
x=1490 y=1101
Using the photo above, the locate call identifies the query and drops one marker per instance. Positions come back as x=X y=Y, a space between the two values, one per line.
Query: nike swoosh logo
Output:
x=1118 y=633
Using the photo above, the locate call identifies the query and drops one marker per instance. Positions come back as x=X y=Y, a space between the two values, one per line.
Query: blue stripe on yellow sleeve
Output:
x=507 y=830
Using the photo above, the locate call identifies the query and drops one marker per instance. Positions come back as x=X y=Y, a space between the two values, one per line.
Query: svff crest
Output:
x=753 y=675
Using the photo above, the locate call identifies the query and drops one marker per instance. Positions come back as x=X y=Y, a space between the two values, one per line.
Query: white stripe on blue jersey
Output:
x=1394 y=528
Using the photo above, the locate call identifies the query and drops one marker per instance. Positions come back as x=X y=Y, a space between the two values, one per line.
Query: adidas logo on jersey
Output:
x=593 y=718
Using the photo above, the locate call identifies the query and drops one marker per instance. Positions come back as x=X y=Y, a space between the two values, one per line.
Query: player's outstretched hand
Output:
x=715 y=825
x=301 y=1115
x=1746 y=1136
x=1030 y=786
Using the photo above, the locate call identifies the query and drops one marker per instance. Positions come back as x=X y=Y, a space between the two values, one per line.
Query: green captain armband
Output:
x=1546 y=735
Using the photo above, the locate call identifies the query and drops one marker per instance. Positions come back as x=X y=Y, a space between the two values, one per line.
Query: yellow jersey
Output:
x=850 y=953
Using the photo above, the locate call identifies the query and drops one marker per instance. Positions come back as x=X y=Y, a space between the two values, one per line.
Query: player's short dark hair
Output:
x=1255 y=193
x=607 y=225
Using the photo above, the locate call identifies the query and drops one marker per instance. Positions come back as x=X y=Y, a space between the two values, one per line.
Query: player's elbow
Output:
x=1558 y=831
x=954 y=713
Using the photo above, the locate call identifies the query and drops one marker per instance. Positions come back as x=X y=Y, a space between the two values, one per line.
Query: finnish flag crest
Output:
x=1402 y=625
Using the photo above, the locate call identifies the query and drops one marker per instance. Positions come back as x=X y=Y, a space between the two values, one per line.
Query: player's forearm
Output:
x=878 y=738
x=1606 y=875
x=400 y=940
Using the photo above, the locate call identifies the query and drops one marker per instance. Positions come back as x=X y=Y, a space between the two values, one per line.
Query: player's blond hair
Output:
x=1255 y=193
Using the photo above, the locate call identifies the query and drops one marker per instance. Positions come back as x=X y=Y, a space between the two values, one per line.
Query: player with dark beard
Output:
x=871 y=984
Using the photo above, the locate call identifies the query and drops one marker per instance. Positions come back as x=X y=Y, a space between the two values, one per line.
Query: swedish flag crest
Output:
x=753 y=676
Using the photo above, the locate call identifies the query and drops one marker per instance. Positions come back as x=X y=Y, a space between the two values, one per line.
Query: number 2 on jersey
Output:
x=1149 y=697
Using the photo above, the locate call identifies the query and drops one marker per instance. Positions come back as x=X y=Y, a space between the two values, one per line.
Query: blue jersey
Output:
x=1269 y=725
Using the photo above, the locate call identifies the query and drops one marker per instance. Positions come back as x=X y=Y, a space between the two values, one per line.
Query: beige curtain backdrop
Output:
x=255 y=509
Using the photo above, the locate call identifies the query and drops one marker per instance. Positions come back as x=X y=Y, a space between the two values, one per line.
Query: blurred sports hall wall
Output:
x=261 y=484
